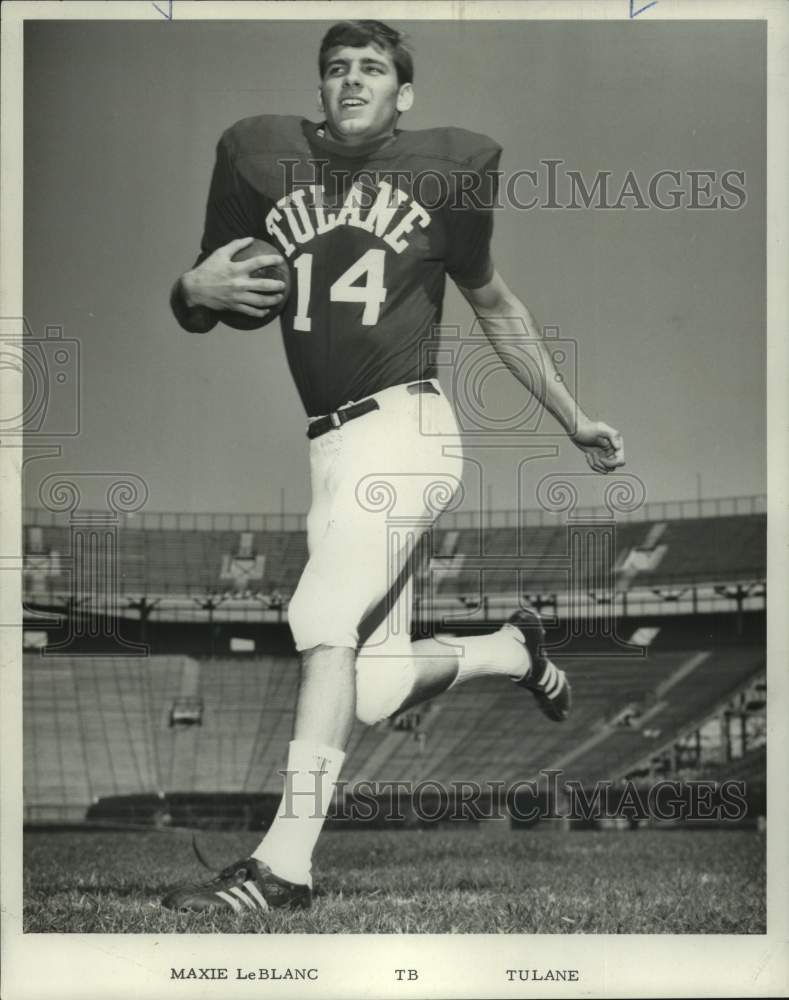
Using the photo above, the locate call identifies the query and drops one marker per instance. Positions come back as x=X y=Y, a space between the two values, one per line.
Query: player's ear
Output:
x=320 y=99
x=405 y=98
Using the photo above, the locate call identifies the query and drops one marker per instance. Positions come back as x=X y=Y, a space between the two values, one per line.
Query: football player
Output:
x=368 y=250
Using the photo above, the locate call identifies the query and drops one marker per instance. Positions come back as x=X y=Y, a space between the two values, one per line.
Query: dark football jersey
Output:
x=369 y=235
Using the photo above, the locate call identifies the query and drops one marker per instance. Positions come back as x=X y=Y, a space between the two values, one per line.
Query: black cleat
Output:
x=547 y=683
x=244 y=885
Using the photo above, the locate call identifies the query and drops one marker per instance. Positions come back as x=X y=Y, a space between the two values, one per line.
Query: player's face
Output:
x=360 y=95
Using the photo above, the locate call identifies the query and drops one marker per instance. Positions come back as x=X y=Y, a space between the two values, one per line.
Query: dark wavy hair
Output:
x=357 y=34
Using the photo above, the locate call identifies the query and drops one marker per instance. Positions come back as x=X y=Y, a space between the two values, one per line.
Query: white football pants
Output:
x=378 y=483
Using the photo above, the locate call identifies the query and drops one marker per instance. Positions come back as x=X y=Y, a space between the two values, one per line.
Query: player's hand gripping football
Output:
x=220 y=283
x=601 y=444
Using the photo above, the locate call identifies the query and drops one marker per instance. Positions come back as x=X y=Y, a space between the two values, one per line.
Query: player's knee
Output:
x=297 y=617
x=382 y=685
x=315 y=621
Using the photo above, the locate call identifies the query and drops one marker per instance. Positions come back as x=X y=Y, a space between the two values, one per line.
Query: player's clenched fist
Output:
x=602 y=445
x=222 y=284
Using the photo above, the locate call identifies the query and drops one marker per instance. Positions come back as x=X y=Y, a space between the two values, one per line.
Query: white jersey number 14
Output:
x=347 y=288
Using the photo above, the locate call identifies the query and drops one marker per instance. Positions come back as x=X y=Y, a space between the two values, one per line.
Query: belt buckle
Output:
x=335 y=419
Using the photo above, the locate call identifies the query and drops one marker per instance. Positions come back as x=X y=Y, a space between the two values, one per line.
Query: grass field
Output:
x=458 y=881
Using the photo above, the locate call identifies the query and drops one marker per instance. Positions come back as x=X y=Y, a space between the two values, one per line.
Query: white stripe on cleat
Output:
x=548 y=679
x=229 y=899
x=253 y=890
x=249 y=903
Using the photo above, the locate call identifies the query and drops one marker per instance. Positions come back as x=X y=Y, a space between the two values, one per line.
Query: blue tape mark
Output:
x=169 y=12
x=633 y=13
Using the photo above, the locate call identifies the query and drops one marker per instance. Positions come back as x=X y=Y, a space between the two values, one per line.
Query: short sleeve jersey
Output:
x=369 y=235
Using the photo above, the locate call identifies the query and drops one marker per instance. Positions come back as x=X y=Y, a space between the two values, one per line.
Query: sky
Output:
x=663 y=310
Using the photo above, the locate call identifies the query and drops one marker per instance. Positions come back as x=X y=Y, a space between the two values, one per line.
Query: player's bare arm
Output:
x=220 y=283
x=507 y=322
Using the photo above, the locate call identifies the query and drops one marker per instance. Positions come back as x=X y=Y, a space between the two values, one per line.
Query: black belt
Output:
x=334 y=420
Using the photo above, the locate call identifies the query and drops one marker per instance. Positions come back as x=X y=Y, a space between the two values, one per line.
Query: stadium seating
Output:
x=191 y=562
x=87 y=729
x=102 y=726
x=99 y=726
x=723 y=547
x=55 y=758
x=248 y=717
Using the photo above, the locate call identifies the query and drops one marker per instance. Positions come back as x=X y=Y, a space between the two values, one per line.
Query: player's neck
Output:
x=353 y=145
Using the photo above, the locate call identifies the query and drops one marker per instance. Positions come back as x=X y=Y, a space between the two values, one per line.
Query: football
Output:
x=240 y=321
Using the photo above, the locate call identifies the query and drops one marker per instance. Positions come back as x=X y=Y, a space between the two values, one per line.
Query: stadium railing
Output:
x=661 y=510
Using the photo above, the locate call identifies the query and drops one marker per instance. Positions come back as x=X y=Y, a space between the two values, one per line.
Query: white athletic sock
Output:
x=502 y=652
x=289 y=842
